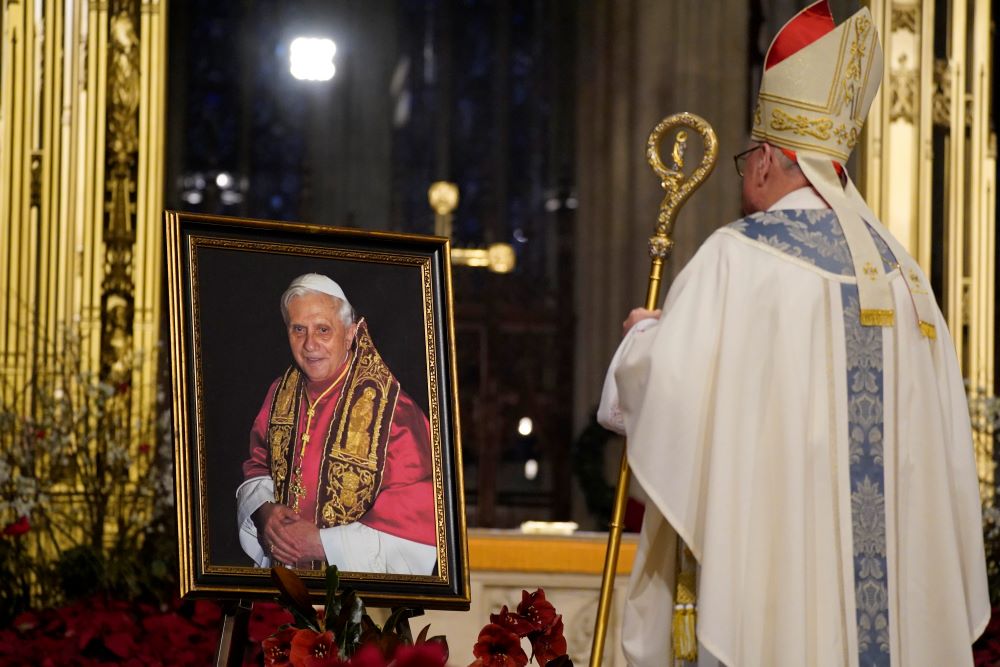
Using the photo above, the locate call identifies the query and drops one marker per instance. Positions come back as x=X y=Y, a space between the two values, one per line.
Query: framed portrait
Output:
x=315 y=410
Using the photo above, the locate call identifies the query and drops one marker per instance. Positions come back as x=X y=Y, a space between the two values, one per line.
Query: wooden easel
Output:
x=235 y=626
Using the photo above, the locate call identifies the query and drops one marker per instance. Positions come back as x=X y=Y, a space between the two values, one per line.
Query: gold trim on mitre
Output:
x=817 y=97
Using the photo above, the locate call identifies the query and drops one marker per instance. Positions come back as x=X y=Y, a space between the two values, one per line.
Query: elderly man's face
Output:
x=317 y=336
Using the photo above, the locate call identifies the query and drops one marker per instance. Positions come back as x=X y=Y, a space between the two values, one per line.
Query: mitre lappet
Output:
x=818 y=83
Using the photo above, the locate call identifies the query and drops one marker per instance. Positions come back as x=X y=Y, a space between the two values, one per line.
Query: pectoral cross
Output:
x=497 y=257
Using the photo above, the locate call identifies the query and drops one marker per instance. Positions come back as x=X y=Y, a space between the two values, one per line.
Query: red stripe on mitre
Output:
x=801 y=30
x=837 y=167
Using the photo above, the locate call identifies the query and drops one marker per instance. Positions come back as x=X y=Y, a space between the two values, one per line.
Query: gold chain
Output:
x=298 y=487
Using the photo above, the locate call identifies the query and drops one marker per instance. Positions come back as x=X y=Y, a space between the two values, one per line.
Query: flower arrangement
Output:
x=98 y=631
x=984 y=412
x=86 y=486
x=535 y=619
x=343 y=635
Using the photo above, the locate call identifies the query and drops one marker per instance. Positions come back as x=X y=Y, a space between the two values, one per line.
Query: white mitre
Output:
x=818 y=83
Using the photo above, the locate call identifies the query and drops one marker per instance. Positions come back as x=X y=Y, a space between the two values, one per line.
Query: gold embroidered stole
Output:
x=354 y=446
x=283 y=417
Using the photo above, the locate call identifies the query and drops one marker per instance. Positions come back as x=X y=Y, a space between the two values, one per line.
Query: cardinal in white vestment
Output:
x=796 y=415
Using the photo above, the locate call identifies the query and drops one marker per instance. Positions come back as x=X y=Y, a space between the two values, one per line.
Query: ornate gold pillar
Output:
x=81 y=107
x=928 y=169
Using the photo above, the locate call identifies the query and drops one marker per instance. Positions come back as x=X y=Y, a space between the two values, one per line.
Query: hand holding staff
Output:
x=678 y=188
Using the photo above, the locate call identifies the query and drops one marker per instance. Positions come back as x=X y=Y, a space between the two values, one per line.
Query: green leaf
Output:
x=332 y=584
x=370 y=632
x=347 y=623
x=394 y=618
x=295 y=597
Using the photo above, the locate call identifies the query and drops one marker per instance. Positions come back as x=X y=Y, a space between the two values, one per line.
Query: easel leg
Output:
x=233 y=640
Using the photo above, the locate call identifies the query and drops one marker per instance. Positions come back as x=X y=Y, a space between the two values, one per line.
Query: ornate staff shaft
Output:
x=678 y=188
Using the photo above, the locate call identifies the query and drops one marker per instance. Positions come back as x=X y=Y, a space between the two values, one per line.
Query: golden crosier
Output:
x=678 y=188
x=675 y=183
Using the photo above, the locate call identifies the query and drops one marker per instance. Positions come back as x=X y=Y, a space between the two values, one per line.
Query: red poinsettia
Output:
x=19 y=527
x=180 y=634
x=498 y=647
x=278 y=647
x=314 y=649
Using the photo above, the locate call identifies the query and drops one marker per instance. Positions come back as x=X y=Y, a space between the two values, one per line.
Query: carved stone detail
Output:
x=941 y=98
x=906 y=17
x=903 y=92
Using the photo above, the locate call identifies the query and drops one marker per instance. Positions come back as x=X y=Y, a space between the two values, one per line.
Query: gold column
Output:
x=979 y=191
x=17 y=67
x=923 y=95
x=62 y=128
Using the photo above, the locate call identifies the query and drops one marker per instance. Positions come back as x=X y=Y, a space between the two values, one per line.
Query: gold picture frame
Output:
x=228 y=342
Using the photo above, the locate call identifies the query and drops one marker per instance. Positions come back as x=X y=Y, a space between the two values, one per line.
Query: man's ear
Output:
x=762 y=168
x=352 y=331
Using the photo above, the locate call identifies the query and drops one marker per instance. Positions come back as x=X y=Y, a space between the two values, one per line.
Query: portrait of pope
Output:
x=339 y=467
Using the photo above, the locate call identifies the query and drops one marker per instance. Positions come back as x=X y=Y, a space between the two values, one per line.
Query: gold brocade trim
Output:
x=850 y=84
x=878 y=318
x=846 y=136
x=801 y=125
x=786 y=141
x=281 y=429
x=351 y=471
x=928 y=330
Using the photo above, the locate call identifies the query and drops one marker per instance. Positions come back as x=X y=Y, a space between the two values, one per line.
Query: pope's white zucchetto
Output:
x=319 y=283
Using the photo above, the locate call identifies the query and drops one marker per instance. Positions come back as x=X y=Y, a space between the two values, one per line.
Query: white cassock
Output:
x=821 y=472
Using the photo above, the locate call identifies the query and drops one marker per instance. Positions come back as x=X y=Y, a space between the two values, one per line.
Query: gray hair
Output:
x=345 y=310
x=784 y=161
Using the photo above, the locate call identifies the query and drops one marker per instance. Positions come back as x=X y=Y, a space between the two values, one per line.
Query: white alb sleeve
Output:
x=354 y=547
x=609 y=414
x=250 y=495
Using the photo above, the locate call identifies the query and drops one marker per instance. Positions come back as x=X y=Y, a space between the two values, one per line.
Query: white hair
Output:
x=315 y=283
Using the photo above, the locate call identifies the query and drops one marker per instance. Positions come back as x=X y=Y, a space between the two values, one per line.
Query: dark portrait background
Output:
x=245 y=347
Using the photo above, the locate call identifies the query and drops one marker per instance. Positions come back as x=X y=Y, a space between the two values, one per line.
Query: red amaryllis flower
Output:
x=428 y=654
x=19 y=527
x=516 y=623
x=499 y=647
x=537 y=609
x=369 y=655
x=550 y=644
x=278 y=647
x=264 y=617
x=312 y=649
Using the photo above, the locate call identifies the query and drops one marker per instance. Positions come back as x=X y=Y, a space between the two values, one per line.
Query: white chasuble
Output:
x=821 y=472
